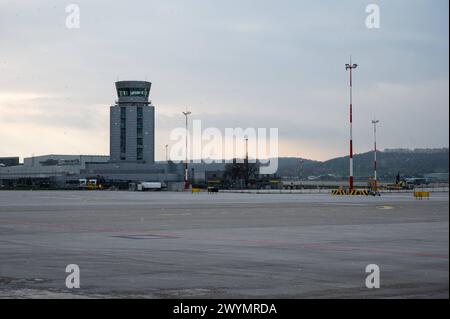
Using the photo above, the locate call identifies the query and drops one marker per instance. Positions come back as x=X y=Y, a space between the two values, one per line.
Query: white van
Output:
x=149 y=186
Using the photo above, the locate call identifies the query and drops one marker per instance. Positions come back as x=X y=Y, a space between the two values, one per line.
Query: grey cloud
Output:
x=266 y=64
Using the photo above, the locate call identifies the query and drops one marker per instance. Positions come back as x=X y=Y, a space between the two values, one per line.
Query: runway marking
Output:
x=144 y=236
x=317 y=246
x=385 y=207
x=172 y=214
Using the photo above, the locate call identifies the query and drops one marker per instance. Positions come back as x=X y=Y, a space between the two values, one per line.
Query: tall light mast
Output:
x=351 y=67
x=247 y=177
x=375 y=186
x=186 y=163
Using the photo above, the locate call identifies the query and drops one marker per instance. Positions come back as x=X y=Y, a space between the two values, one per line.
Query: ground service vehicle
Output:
x=149 y=186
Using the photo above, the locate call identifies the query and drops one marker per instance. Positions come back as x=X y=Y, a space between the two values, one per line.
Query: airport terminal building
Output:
x=47 y=170
x=132 y=151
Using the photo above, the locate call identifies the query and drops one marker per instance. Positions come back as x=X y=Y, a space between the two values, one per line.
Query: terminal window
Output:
x=140 y=154
x=140 y=92
x=123 y=130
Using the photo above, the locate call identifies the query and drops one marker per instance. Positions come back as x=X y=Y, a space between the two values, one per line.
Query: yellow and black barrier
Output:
x=338 y=192
x=364 y=192
x=421 y=195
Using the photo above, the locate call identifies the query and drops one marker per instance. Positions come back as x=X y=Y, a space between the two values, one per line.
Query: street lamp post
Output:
x=167 y=152
x=247 y=177
x=300 y=168
x=375 y=186
x=186 y=163
x=351 y=67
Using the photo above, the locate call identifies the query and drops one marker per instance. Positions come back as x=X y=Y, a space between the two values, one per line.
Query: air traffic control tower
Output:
x=132 y=141
x=132 y=124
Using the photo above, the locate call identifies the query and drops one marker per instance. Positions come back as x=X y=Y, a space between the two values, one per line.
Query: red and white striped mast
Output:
x=374 y=122
x=351 y=67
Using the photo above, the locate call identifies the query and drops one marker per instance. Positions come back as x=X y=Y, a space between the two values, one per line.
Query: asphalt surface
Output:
x=181 y=245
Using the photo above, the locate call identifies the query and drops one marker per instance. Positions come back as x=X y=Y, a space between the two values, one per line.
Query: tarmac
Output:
x=224 y=245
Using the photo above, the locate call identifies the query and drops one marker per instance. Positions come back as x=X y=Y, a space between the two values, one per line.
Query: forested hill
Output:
x=408 y=162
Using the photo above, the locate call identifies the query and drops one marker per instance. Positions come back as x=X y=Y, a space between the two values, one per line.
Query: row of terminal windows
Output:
x=139 y=92
x=139 y=132
x=123 y=132
x=139 y=129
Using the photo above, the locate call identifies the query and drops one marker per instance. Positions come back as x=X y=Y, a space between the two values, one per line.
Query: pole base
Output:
x=350 y=182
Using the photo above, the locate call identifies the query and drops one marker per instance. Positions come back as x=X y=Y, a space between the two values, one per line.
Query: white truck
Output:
x=149 y=186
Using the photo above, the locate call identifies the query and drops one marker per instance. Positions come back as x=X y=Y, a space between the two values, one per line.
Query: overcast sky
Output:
x=233 y=63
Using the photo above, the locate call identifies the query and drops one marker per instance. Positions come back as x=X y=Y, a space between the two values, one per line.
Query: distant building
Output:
x=437 y=177
x=417 y=150
x=215 y=177
x=47 y=169
x=9 y=161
